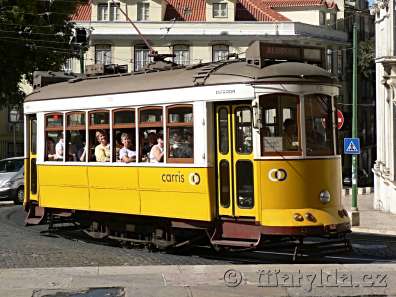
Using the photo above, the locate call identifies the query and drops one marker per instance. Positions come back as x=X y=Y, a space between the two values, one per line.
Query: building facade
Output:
x=207 y=30
x=357 y=12
x=385 y=53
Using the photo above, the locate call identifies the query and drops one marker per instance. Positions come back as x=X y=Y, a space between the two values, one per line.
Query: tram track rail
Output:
x=13 y=217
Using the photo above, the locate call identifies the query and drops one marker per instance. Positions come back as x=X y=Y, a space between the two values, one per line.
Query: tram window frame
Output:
x=172 y=125
x=279 y=125
x=50 y=156
x=327 y=149
x=144 y=126
x=240 y=134
x=92 y=141
x=68 y=129
x=123 y=127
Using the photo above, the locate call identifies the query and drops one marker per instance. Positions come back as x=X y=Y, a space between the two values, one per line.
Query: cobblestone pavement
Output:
x=32 y=246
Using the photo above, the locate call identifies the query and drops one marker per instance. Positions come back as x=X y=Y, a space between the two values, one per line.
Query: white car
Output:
x=12 y=179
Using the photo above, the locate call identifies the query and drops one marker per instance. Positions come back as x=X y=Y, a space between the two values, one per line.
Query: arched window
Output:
x=124 y=135
x=151 y=132
x=54 y=138
x=180 y=132
x=99 y=139
x=75 y=141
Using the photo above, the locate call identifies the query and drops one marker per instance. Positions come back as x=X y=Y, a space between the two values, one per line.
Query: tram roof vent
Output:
x=260 y=54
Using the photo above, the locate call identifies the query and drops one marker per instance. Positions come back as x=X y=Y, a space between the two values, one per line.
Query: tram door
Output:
x=30 y=162
x=235 y=182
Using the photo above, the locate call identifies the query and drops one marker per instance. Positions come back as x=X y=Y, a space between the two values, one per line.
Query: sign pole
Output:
x=355 y=213
x=82 y=59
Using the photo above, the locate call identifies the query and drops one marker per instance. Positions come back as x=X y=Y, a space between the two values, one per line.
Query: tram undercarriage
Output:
x=224 y=234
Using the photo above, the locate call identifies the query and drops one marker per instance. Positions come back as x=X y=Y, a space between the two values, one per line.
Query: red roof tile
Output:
x=261 y=12
x=186 y=10
x=246 y=10
x=299 y=3
x=83 y=13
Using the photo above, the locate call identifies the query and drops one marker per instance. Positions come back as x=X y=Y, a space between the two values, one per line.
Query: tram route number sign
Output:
x=351 y=146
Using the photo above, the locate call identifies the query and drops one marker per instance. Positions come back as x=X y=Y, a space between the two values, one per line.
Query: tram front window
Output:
x=319 y=125
x=280 y=125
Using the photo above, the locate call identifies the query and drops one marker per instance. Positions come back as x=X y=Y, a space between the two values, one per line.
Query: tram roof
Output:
x=230 y=72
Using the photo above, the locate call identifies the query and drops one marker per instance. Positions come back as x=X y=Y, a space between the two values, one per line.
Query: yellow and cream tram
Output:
x=236 y=150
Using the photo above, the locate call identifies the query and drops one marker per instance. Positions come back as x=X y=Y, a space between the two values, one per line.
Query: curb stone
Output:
x=361 y=191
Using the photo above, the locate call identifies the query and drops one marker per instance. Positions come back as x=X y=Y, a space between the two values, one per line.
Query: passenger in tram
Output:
x=118 y=146
x=152 y=140
x=50 y=149
x=127 y=155
x=102 y=150
x=157 y=151
x=189 y=145
x=75 y=149
x=176 y=149
x=59 y=148
x=290 y=135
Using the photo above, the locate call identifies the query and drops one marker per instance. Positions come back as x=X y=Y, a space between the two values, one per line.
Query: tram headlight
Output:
x=310 y=217
x=324 y=197
x=298 y=217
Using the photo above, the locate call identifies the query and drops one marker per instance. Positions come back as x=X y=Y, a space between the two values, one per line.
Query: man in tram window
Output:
x=152 y=140
x=102 y=150
x=176 y=149
x=290 y=135
x=50 y=149
x=188 y=152
x=157 y=151
x=59 y=148
x=127 y=154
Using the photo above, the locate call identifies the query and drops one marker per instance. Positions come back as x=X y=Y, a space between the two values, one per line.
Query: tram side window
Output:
x=151 y=131
x=319 y=125
x=180 y=134
x=124 y=136
x=280 y=125
x=76 y=149
x=243 y=130
x=54 y=138
x=99 y=141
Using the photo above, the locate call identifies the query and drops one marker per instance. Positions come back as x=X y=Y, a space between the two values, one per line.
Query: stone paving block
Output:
x=159 y=292
x=16 y=293
x=147 y=269
x=245 y=291
x=34 y=282
x=135 y=280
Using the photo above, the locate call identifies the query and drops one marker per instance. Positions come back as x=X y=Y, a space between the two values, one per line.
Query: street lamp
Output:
x=14 y=117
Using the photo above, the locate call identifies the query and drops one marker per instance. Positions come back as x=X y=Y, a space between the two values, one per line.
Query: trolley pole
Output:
x=355 y=212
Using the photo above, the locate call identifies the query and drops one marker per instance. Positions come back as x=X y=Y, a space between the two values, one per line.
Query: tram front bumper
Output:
x=322 y=230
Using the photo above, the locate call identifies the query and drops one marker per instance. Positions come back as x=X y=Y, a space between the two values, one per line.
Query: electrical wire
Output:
x=34 y=40
x=21 y=32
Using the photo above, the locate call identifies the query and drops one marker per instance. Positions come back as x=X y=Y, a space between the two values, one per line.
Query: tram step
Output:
x=235 y=243
x=35 y=215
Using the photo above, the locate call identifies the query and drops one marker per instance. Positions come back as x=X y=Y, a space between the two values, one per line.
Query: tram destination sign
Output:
x=258 y=52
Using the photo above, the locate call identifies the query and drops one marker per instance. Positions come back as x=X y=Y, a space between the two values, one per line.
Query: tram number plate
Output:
x=333 y=227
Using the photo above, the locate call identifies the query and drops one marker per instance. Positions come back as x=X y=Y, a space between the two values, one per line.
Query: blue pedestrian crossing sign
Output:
x=352 y=146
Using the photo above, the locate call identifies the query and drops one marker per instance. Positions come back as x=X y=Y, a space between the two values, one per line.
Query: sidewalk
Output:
x=371 y=220
x=202 y=281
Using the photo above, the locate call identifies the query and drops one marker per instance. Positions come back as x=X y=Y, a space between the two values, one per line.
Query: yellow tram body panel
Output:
x=300 y=191
x=185 y=193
